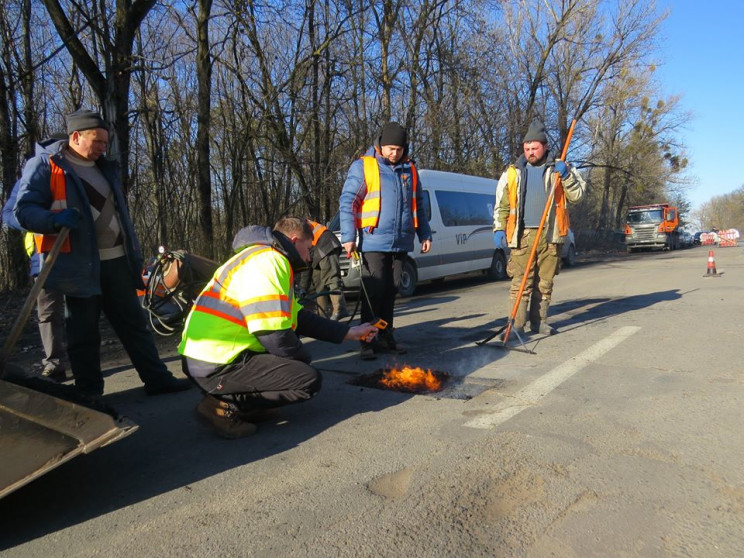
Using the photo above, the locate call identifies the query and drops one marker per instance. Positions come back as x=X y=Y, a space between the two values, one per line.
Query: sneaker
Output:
x=367 y=352
x=171 y=385
x=53 y=373
x=224 y=418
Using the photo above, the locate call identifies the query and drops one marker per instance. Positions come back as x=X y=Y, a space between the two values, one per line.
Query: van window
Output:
x=465 y=208
x=427 y=205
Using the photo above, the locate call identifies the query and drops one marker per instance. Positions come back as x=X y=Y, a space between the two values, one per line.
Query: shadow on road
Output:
x=171 y=450
x=596 y=309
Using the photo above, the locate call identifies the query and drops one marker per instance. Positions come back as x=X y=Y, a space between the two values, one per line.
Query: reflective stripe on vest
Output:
x=318 y=230
x=369 y=216
x=253 y=311
x=221 y=325
x=58 y=187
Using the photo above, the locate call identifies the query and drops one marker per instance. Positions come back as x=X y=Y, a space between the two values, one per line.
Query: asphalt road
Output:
x=620 y=436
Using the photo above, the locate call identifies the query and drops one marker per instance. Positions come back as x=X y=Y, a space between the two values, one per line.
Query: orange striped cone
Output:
x=711 y=272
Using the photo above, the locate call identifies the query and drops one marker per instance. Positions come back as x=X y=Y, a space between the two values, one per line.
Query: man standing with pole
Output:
x=534 y=192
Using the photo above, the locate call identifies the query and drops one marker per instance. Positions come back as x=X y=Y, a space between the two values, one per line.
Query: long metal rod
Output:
x=22 y=318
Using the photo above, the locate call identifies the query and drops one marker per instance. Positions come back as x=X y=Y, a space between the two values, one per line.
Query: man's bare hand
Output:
x=425 y=246
x=349 y=247
x=365 y=332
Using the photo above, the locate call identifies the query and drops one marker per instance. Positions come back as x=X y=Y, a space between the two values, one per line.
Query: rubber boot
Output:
x=340 y=311
x=324 y=305
x=520 y=318
x=544 y=328
x=534 y=312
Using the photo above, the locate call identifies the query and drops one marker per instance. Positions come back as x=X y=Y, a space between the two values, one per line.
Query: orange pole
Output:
x=533 y=251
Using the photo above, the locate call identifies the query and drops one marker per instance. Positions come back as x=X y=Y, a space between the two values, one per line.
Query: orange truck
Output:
x=652 y=227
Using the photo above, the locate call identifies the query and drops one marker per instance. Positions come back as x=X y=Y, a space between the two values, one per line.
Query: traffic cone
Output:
x=711 y=266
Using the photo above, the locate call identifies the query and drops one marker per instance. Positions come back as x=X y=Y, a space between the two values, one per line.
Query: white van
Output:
x=460 y=212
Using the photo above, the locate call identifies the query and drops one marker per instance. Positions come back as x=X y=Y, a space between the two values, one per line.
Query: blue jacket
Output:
x=9 y=217
x=76 y=273
x=395 y=231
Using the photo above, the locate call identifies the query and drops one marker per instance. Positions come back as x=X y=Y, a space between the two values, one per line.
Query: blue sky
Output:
x=701 y=60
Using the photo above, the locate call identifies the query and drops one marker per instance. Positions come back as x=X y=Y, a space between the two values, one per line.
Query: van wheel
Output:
x=408 y=279
x=497 y=271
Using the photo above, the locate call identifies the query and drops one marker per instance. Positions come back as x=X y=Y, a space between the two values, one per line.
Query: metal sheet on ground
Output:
x=40 y=432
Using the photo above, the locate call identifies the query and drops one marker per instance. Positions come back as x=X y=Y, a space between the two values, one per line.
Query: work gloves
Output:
x=499 y=239
x=66 y=218
x=562 y=169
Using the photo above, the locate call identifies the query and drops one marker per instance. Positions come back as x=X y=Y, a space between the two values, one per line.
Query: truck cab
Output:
x=654 y=227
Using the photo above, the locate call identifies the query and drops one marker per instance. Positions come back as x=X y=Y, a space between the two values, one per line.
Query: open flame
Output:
x=411 y=379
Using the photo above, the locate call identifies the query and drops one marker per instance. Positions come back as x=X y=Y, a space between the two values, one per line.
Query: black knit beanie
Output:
x=536 y=132
x=393 y=134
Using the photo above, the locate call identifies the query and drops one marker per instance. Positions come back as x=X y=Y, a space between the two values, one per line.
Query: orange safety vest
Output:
x=559 y=200
x=58 y=186
x=369 y=216
x=318 y=229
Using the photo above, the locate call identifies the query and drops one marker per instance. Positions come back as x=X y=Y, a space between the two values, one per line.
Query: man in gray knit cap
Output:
x=521 y=196
x=71 y=185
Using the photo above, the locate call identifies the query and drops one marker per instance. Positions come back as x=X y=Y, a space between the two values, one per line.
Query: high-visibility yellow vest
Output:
x=29 y=244
x=369 y=214
x=58 y=186
x=250 y=293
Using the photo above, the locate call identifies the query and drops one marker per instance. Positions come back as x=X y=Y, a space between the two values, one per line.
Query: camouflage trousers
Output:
x=539 y=287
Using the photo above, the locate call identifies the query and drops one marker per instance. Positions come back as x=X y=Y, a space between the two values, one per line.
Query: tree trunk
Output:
x=204 y=78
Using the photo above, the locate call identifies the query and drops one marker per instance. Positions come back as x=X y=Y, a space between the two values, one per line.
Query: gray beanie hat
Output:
x=84 y=120
x=536 y=132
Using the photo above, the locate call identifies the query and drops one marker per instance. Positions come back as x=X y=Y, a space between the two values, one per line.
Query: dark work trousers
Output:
x=257 y=381
x=120 y=305
x=50 y=308
x=381 y=275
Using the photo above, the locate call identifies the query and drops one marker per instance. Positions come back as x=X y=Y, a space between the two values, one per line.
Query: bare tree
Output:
x=105 y=59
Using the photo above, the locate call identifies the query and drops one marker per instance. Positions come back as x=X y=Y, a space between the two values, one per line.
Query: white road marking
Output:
x=534 y=392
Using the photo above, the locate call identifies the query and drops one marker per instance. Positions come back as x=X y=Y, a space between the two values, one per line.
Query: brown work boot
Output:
x=259 y=415
x=225 y=418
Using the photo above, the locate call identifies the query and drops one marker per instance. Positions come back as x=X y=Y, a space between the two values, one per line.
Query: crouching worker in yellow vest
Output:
x=240 y=343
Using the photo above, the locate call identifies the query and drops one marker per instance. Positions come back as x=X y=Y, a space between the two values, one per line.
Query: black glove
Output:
x=66 y=218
